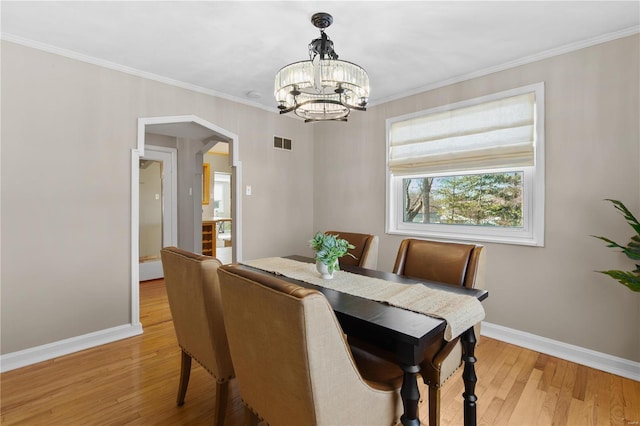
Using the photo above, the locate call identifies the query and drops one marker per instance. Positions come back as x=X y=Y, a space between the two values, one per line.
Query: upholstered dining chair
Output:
x=365 y=251
x=292 y=362
x=193 y=291
x=451 y=263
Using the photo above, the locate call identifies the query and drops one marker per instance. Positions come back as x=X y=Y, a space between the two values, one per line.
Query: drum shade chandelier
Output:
x=322 y=88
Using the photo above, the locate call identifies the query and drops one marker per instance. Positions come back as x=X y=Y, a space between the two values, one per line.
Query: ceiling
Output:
x=233 y=49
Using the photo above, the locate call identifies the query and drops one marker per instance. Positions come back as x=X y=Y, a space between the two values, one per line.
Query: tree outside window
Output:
x=490 y=199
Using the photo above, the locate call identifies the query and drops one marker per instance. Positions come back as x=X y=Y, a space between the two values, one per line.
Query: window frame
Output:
x=533 y=195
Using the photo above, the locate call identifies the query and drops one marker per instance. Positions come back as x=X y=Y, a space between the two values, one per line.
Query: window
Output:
x=473 y=170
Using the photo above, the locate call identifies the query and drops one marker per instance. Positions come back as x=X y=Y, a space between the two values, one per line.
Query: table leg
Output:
x=469 y=377
x=410 y=395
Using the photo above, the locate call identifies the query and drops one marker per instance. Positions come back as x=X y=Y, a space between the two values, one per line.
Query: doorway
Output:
x=157 y=218
x=222 y=200
x=217 y=211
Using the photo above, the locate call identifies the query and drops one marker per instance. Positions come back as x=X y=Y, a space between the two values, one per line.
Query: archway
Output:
x=190 y=127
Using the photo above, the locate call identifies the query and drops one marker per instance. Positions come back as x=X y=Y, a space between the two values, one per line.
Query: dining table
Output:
x=402 y=332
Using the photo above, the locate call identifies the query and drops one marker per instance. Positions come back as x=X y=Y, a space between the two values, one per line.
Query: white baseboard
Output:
x=41 y=353
x=598 y=360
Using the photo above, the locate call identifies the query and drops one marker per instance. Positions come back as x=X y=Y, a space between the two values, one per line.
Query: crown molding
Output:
x=127 y=70
x=512 y=64
x=447 y=82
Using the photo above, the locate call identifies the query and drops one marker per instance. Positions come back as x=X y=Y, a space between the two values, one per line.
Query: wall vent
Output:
x=281 y=143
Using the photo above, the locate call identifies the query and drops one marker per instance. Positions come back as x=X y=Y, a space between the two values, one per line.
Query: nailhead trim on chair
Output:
x=260 y=418
x=218 y=379
x=437 y=385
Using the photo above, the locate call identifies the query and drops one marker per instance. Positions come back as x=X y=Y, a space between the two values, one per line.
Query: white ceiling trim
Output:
x=127 y=70
x=464 y=77
x=512 y=64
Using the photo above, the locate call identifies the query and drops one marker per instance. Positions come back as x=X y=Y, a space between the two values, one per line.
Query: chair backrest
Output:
x=292 y=362
x=450 y=263
x=193 y=291
x=365 y=251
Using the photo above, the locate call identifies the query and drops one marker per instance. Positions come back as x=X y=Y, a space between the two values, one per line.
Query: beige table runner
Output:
x=459 y=311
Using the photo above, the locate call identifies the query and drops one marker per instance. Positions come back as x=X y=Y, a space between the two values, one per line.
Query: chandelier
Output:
x=322 y=88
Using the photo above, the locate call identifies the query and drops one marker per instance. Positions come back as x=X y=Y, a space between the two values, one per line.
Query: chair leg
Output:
x=434 y=406
x=185 y=372
x=222 y=392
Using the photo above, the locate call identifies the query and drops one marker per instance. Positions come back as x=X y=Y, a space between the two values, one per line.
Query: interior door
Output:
x=156 y=211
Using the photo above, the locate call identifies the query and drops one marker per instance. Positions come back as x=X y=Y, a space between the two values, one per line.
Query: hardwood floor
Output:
x=135 y=381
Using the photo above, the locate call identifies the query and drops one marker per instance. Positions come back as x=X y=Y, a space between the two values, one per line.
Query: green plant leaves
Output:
x=631 y=250
x=627 y=215
x=330 y=248
x=629 y=279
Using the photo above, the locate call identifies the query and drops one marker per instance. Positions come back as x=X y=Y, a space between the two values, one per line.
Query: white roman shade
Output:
x=494 y=134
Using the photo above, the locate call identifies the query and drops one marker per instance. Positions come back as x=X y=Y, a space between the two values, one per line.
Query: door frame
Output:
x=136 y=154
x=168 y=158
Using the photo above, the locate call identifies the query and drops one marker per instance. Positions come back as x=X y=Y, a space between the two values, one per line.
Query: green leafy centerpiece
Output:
x=329 y=248
x=631 y=279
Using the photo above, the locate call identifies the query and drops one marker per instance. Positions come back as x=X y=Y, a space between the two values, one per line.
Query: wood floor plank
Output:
x=630 y=392
x=530 y=403
x=559 y=373
x=616 y=400
x=510 y=373
x=561 y=413
x=579 y=387
x=591 y=397
x=541 y=364
x=525 y=364
x=549 y=369
x=488 y=417
x=545 y=416
x=488 y=401
x=135 y=381
x=575 y=414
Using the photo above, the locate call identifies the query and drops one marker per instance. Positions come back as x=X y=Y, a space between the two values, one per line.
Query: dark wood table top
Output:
x=389 y=327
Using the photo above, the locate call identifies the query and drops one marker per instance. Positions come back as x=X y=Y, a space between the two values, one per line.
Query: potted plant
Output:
x=329 y=248
x=631 y=279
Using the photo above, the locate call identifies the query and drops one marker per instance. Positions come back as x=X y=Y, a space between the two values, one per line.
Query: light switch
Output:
x=157 y=196
x=248 y=190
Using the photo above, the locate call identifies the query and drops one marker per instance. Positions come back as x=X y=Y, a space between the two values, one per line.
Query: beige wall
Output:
x=65 y=215
x=68 y=129
x=592 y=153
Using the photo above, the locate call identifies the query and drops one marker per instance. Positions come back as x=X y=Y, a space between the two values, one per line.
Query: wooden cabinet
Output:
x=209 y=238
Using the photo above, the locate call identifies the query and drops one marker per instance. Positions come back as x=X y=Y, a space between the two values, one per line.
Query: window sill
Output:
x=499 y=237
